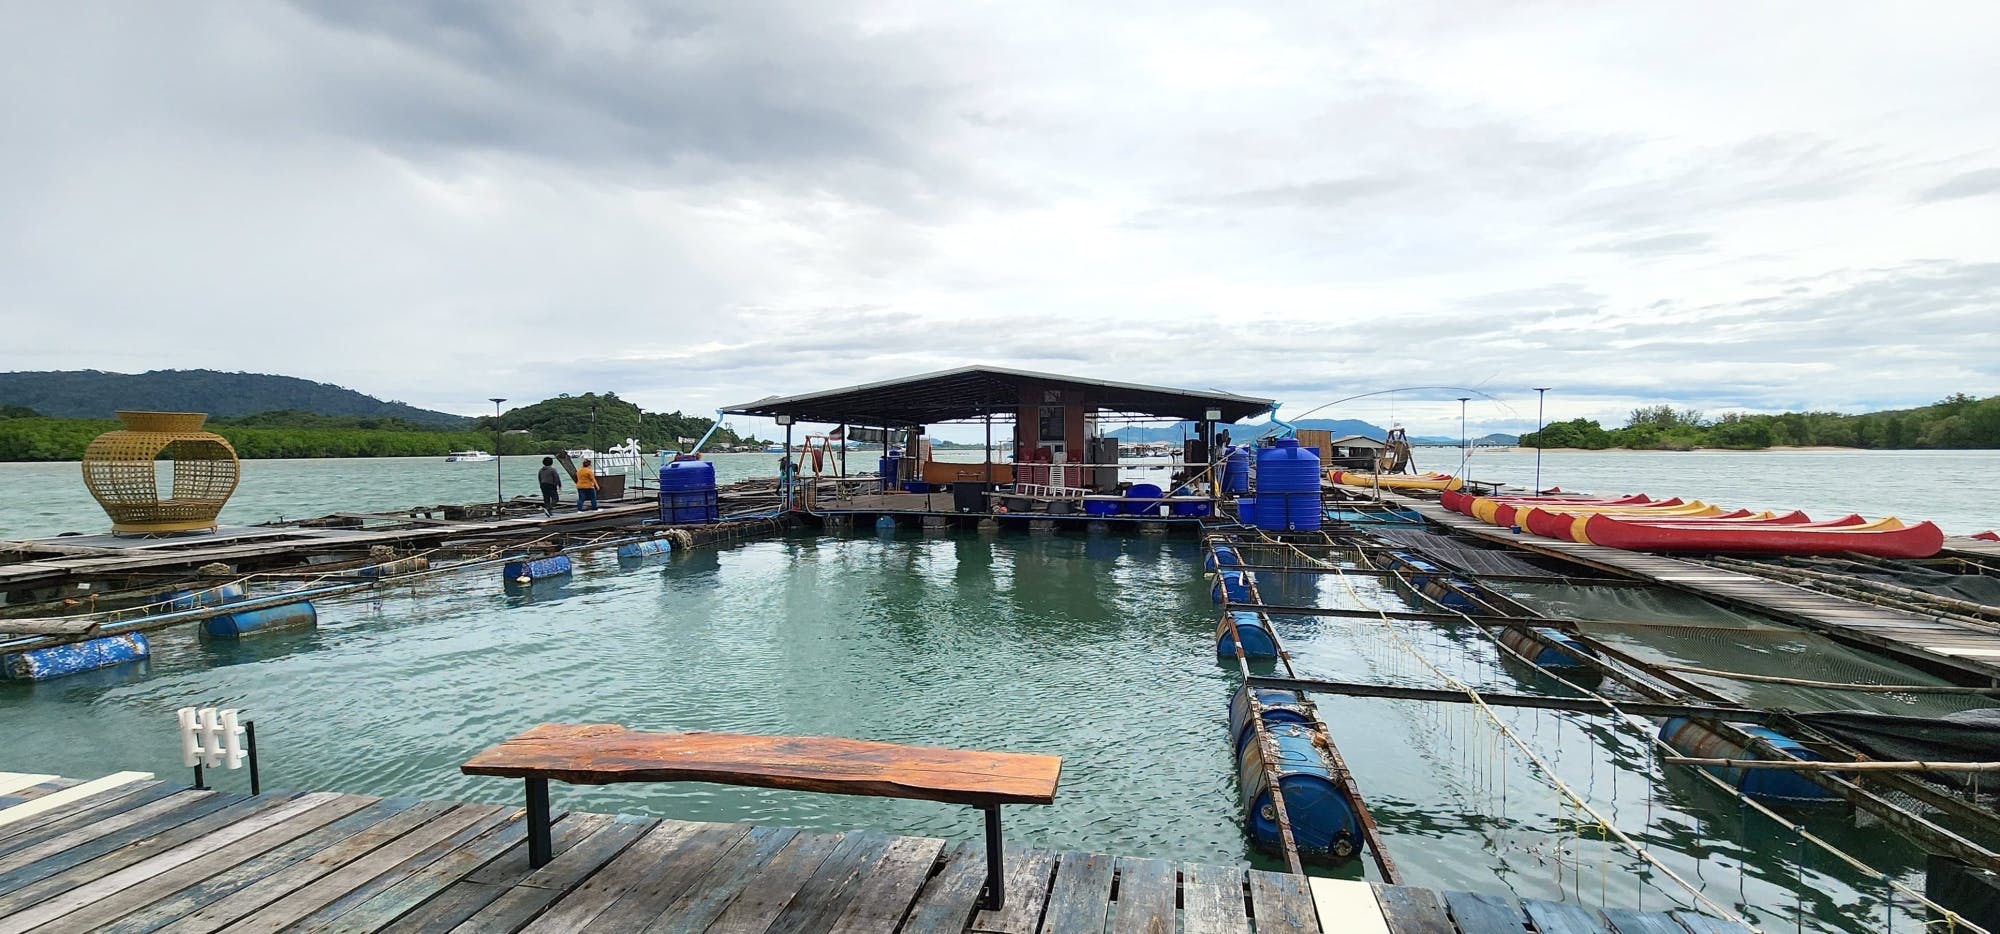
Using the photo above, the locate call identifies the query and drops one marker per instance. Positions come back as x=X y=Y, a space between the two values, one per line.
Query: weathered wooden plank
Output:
x=77 y=865
x=631 y=867
x=599 y=753
x=1408 y=910
x=947 y=900
x=1027 y=889
x=41 y=804
x=329 y=896
x=1281 y=903
x=759 y=905
x=1561 y=918
x=833 y=884
x=1627 y=921
x=1486 y=914
x=1212 y=899
x=1705 y=924
x=418 y=887
x=887 y=891
x=1347 y=906
x=82 y=813
x=689 y=860
x=225 y=883
x=77 y=832
x=703 y=902
x=516 y=906
x=568 y=830
x=1148 y=896
x=1081 y=897
x=90 y=906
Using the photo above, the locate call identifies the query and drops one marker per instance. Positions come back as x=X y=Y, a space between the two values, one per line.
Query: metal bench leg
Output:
x=996 y=867
x=538 y=823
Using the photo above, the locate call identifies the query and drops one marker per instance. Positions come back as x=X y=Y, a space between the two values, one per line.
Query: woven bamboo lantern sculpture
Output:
x=121 y=470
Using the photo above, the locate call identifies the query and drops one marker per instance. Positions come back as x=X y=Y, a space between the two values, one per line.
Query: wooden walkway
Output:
x=134 y=855
x=1927 y=642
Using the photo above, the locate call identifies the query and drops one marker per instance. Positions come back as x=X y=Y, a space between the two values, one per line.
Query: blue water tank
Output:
x=1252 y=629
x=300 y=615
x=88 y=655
x=1101 y=506
x=1288 y=488
x=687 y=493
x=1236 y=470
x=1142 y=499
x=1246 y=510
x=887 y=466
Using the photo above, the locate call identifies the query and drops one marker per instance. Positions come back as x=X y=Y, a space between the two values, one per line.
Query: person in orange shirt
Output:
x=586 y=486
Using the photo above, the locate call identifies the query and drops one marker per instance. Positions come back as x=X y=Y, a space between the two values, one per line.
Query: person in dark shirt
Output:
x=551 y=485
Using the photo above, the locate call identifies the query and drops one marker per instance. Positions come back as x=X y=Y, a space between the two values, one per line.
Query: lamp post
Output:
x=1541 y=395
x=499 y=499
x=1464 y=452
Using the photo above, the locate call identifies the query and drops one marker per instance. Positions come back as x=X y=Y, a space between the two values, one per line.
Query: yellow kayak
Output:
x=1395 y=481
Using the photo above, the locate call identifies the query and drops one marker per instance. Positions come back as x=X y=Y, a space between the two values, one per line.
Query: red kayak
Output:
x=1882 y=538
x=1506 y=513
x=1987 y=536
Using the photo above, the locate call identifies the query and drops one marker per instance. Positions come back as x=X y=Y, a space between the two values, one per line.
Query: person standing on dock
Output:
x=551 y=482
x=586 y=486
x=785 y=479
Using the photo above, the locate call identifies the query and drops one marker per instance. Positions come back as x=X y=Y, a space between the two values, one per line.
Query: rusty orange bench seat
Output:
x=605 y=753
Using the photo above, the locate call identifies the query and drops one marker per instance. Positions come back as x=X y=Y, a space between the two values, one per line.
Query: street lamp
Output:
x=1464 y=452
x=499 y=499
x=1541 y=395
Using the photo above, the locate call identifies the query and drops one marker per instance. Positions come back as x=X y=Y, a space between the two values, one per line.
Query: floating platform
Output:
x=135 y=854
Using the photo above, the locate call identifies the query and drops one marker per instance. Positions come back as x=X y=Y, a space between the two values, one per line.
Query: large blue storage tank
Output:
x=1236 y=470
x=687 y=493
x=1288 y=488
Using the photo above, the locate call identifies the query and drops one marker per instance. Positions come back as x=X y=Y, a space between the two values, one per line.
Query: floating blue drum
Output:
x=688 y=493
x=300 y=615
x=536 y=568
x=1279 y=706
x=213 y=596
x=1142 y=499
x=1222 y=556
x=1778 y=786
x=1235 y=585
x=887 y=467
x=640 y=551
x=1236 y=470
x=1325 y=824
x=1288 y=480
x=1252 y=629
x=1246 y=510
x=1547 y=647
x=59 y=660
x=1191 y=509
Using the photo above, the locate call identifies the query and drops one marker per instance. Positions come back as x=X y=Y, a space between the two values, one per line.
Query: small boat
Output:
x=1395 y=481
x=1881 y=538
x=467 y=457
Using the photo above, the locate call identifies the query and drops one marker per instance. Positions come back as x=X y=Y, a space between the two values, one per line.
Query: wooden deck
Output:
x=135 y=855
x=1928 y=642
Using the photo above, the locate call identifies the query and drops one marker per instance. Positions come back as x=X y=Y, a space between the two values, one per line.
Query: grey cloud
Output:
x=1657 y=245
x=1967 y=185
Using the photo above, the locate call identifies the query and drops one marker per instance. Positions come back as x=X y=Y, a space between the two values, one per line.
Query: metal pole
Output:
x=250 y=740
x=1541 y=394
x=791 y=478
x=989 y=449
x=499 y=498
x=1464 y=453
x=198 y=786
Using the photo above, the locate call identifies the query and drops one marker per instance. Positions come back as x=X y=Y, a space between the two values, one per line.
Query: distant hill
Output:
x=97 y=394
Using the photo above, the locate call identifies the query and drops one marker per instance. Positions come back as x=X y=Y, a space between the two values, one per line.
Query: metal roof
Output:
x=975 y=391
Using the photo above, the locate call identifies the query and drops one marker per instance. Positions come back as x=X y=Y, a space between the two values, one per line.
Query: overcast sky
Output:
x=1725 y=206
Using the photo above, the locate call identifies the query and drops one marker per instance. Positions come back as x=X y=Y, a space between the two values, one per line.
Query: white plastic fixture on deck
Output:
x=210 y=737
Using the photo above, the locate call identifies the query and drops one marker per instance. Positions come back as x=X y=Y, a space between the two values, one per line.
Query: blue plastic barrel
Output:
x=887 y=467
x=1252 y=629
x=1234 y=584
x=1246 y=510
x=88 y=655
x=536 y=568
x=1288 y=497
x=1782 y=786
x=213 y=596
x=636 y=552
x=1142 y=499
x=1279 y=706
x=1101 y=506
x=1236 y=470
x=1325 y=824
x=1546 y=647
x=688 y=493
x=1222 y=556
x=300 y=615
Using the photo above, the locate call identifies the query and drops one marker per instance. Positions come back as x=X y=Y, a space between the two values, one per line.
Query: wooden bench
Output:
x=604 y=753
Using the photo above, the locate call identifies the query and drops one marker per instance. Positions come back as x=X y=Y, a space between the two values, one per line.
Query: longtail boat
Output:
x=1881 y=538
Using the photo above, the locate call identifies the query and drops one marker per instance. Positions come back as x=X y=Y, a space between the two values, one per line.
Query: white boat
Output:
x=619 y=458
x=467 y=457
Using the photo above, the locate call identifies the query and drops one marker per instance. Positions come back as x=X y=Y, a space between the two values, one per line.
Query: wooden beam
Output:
x=1497 y=699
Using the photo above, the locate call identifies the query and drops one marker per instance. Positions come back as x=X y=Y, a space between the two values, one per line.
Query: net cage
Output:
x=122 y=470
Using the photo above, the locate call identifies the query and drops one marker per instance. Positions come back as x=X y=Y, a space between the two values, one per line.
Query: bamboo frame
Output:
x=119 y=469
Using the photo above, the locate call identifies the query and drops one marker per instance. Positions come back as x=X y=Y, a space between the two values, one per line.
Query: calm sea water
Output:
x=1095 y=648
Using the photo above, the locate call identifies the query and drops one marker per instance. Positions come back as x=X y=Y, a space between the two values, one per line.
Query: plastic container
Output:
x=1325 y=824
x=1692 y=739
x=1142 y=499
x=525 y=569
x=1234 y=584
x=1223 y=556
x=1246 y=510
x=1288 y=497
x=687 y=493
x=289 y=616
x=1101 y=506
x=1236 y=470
x=1252 y=629
x=88 y=655
x=213 y=596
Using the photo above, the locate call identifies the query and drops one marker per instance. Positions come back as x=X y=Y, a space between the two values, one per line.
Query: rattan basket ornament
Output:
x=121 y=469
